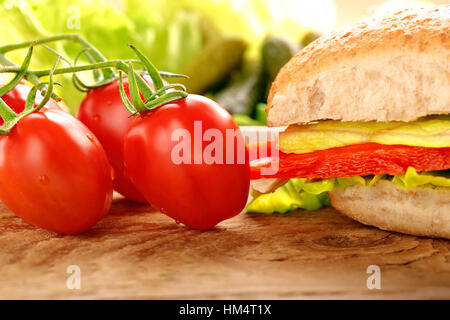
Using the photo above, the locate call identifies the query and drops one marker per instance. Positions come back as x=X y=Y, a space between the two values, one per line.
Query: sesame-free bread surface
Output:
x=384 y=68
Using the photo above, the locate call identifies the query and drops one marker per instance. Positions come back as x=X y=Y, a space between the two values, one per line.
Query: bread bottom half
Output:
x=423 y=211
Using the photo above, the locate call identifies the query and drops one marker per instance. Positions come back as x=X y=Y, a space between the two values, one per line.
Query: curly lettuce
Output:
x=412 y=179
x=302 y=194
x=292 y=196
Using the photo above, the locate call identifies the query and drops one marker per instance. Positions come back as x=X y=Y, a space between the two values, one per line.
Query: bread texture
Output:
x=422 y=211
x=384 y=68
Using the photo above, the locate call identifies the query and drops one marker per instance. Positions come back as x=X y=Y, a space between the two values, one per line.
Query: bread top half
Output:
x=387 y=68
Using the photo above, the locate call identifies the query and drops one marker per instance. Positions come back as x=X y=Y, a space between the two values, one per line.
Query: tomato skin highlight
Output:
x=357 y=160
x=54 y=173
x=103 y=112
x=197 y=195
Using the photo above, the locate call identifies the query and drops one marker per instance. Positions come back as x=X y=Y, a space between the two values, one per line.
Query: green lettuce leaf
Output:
x=412 y=179
x=33 y=19
x=169 y=36
x=302 y=194
x=291 y=196
x=251 y=20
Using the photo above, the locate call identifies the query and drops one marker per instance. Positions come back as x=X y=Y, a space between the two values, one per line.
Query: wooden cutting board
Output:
x=137 y=253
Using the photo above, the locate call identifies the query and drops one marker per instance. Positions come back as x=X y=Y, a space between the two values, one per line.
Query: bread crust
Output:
x=384 y=68
x=422 y=211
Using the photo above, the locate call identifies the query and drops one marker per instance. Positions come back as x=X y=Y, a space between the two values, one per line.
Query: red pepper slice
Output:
x=354 y=160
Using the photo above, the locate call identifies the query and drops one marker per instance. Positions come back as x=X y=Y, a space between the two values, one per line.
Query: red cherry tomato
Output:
x=103 y=112
x=54 y=173
x=199 y=194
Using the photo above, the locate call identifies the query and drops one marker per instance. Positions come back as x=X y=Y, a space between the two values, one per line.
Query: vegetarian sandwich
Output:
x=368 y=116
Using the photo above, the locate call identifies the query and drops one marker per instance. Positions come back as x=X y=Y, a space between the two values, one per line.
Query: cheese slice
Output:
x=431 y=132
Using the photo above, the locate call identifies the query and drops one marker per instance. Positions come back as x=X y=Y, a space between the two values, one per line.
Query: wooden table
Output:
x=137 y=253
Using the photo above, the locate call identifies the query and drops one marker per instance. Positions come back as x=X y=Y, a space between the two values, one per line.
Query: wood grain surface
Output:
x=136 y=253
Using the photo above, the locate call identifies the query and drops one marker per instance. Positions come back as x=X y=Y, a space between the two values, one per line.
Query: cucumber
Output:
x=245 y=120
x=260 y=113
x=209 y=31
x=213 y=64
x=244 y=89
x=276 y=52
x=309 y=37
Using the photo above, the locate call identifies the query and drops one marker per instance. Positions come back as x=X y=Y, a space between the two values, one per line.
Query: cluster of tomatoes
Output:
x=58 y=171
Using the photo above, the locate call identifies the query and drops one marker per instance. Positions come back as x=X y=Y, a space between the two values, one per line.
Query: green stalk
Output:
x=96 y=54
x=28 y=76
x=134 y=91
x=126 y=102
x=19 y=75
x=168 y=87
x=163 y=93
x=137 y=85
x=25 y=44
x=118 y=64
x=49 y=90
x=10 y=118
x=152 y=71
x=6 y=112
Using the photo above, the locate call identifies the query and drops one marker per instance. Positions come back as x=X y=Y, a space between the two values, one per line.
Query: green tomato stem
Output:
x=134 y=91
x=118 y=64
x=137 y=85
x=19 y=75
x=163 y=93
x=10 y=118
x=6 y=112
x=32 y=78
x=96 y=54
x=152 y=71
x=126 y=102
